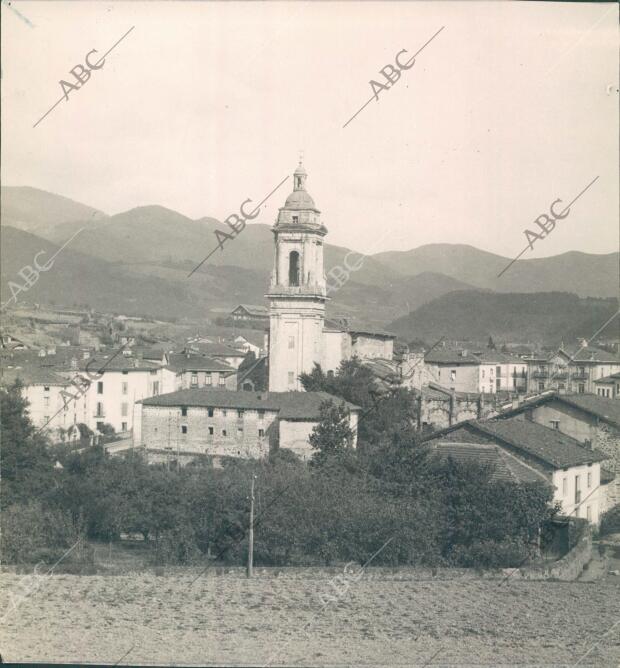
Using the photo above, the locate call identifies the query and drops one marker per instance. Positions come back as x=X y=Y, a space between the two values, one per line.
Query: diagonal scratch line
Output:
x=373 y=97
x=97 y=63
x=77 y=396
x=19 y=14
x=597 y=643
x=559 y=216
x=221 y=244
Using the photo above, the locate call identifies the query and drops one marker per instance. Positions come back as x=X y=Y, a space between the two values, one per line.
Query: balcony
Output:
x=538 y=373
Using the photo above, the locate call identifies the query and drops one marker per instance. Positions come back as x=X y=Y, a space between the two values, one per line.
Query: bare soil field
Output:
x=279 y=619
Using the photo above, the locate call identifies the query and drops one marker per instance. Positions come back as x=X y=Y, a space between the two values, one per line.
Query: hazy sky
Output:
x=205 y=104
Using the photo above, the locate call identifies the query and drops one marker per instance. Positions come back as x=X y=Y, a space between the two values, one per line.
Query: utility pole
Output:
x=251 y=532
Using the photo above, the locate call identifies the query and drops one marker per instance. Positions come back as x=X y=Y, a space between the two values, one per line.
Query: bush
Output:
x=610 y=521
x=33 y=534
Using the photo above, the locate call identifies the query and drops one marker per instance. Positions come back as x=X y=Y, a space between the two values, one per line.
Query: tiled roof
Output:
x=193 y=362
x=438 y=356
x=505 y=465
x=289 y=405
x=215 y=350
x=31 y=375
x=115 y=361
x=548 y=445
x=494 y=357
x=588 y=353
x=602 y=407
x=609 y=379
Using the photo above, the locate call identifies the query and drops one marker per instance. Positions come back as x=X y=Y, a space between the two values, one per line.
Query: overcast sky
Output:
x=203 y=105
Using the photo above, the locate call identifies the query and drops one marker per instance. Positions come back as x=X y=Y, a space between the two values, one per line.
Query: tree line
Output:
x=341 y=507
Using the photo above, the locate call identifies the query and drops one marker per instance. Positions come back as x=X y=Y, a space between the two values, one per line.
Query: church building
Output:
x=298 y=335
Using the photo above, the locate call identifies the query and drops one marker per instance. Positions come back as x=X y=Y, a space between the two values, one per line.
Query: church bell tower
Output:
x=297 y=293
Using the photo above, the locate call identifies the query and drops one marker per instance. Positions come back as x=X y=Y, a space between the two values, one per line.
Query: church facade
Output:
x=298 y=335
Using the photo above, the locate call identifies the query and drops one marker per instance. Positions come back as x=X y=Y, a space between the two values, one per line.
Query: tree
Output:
x=491 y=344
x=26 y=467
x=332 y=437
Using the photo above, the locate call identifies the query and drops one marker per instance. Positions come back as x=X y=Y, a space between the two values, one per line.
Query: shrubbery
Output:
x=389 y=500
x=610 y=521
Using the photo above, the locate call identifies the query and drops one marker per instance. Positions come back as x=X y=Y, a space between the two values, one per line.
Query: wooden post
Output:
x=251 y=532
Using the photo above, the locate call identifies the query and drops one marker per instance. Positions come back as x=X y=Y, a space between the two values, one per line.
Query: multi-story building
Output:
x=571 y=372
x=592 y=420
x=111 y=384
x=247 y=424
x=47 y=395
x=193 y=371
x=571 y=469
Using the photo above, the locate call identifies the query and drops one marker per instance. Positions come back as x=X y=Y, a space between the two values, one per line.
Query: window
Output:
x=184 y=429
x=46 y=402
x=210 y=431
x=125 y=373
x=99 y=426
x=582 y=388
x=564 y=486
x=239 y=432
x=123 y=426
x=555 y=424
x=239 y=413
x=47 y=419
x=291 y=342
x=124 y=409
x=261 y=433
x=184 y=411
x=155 y=388
x=224 y=413
x=100 y=387
x=561 y=386
x=124 y=387
x=541 y=386
x=483 y=373
x=208 y=379
x=261 y=414
x=153 y=372
x=46 y=388
x=99 y=409
x=589 y=480
x=291 y=377
x=210 y=412
x=295 y=220
x=453 y=374
x=514 y=382
x=194 y=380
x=293 y=268
x=577 y=489
x=222 y=381
x=588 y=513
x=223 y=432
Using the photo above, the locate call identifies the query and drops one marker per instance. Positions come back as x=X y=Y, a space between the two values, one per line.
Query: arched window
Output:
x=293 y=268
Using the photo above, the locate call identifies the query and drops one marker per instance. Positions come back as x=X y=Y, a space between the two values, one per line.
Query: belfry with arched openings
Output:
x=297 y=293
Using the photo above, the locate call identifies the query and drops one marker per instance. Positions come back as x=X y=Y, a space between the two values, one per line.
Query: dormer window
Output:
x=295 y=220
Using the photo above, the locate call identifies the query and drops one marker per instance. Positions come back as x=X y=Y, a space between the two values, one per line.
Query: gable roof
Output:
x=550 y=446
x=31 y=375
x=289 y=405
x=180 y=362
x=215 y=350
x=604 y=408
x=438 y=356
x=505 y=466
x=253 y=309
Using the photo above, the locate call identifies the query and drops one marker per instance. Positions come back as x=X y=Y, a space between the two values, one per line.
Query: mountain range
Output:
x=138 y=261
